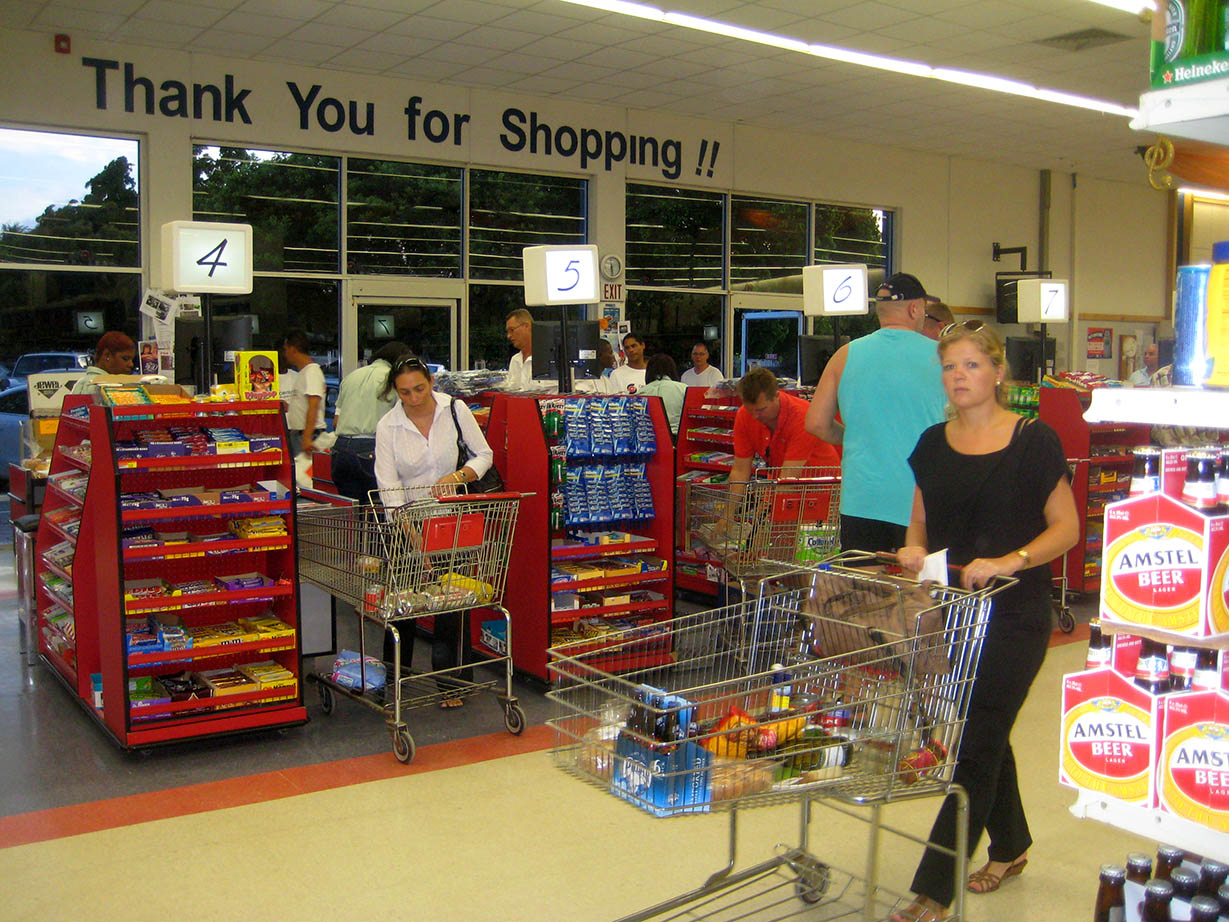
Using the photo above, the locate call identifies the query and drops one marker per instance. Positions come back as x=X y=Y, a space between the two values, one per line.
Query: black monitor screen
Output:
x=582 y=351
x=813 y=355
x=1024 y=356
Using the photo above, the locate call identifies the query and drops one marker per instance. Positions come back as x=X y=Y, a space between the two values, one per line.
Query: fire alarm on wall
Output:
x=63 y=44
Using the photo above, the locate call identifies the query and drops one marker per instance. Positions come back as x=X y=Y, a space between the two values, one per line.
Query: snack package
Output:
x=348 y=673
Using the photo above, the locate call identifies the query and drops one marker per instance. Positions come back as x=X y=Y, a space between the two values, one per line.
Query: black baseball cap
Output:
x=902 y=287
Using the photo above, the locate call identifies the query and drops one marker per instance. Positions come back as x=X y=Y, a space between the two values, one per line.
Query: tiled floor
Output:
x=321 y=821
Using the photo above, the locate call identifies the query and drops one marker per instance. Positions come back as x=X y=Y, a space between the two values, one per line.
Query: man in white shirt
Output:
x=519 y=329
x=305 y=400
x=363 y=398
x=702 y=374
x=1142 y=377
x=626 y=379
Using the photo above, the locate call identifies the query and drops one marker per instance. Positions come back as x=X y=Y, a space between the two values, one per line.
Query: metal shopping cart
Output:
x=834 y=686
x=398 y=562
x=780 y=519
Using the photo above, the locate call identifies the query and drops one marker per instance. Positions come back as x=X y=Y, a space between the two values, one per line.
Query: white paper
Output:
x=934 y=567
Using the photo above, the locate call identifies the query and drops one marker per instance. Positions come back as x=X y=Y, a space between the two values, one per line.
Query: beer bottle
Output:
x=1111 y=904
x=1182 y=668
x=1199 y=490
x=1204 y=909
x=1158 y=894
x=1146 y=476
x=1139 y=868
x=1100 y=649
x=1223 y=896
x=1152 y=668
x=1207 y=675
x=1212 y=876
x=1185 y=883
x=1168 y=857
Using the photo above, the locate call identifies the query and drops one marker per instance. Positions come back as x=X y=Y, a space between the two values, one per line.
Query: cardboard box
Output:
x=46 y=390
x=1193 y=770
x=256 y=375
x=1164 y=565
x=1109 y=737
x=664 y=780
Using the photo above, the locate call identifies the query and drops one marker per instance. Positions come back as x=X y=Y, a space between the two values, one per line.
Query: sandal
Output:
x=920 y=910
x=983 y=880
x=449 y=703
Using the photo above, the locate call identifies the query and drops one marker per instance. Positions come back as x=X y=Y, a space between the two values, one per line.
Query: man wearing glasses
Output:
x=519 y=328
x=887 y=389
x=938 y=316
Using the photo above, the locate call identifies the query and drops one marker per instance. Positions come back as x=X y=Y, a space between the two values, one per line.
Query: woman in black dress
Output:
x=994 y=489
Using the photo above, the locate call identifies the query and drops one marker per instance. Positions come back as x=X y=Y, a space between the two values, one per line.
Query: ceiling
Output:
x=550 y=48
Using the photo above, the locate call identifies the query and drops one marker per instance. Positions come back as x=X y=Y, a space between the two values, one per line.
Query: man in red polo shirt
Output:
x=771 y=424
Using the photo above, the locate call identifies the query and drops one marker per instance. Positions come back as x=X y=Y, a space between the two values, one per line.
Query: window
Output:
x=675 y=237
x=489 y=307
x=403 y=218
x=768 y=244
x=291 y=200
x=69 y=200
x=674 y=321
x=41 y=309
x=510 y=211
x=853 y=235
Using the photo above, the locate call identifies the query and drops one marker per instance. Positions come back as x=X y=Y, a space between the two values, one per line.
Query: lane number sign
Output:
x=1041 y=301
x=834 y=290
x=202 y=257
x=560 y=275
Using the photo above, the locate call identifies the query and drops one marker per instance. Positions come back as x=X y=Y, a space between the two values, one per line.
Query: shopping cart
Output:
x=397 y=562
x=834 y=686
x=1060 y=583
x=783 y=517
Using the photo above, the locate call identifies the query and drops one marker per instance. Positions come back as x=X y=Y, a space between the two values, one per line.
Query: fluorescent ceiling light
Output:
x=848 y=56
x=1129 y=6
x=1204 y=193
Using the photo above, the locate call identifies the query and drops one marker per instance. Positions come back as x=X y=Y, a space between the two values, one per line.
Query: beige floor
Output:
x=509 y=839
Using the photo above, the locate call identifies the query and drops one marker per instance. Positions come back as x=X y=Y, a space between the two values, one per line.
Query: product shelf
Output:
x=581 y=551
x=204 y=599
x=1112 y=459
x=1214 y=641
x=167 y=658
x=210 y=706
x=203 y=549
x=570 y=615
x=61 y=533
x=654 y=576
x=1152 y=824
x=79 y=463
x=61 y=666
x=57 y=598
x=64 y=495
x=58 y=571
x=204 y=511
x=201 y=462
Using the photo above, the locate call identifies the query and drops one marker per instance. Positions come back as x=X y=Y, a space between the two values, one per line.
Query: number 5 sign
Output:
x=833 y=290
x=560 y=275
x=202 y=257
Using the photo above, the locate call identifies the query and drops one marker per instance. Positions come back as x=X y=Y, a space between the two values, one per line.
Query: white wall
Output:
x=1108 y=237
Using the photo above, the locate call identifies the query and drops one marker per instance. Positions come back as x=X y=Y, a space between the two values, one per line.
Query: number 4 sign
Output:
x=203 y=257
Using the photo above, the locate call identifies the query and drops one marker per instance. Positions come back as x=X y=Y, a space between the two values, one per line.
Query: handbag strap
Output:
x=462 y=448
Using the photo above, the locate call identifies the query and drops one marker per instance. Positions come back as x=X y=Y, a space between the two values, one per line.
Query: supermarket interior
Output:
x=634 y=260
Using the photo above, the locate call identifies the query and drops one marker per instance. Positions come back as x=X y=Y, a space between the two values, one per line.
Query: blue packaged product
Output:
x=624 y=422
x=642 y=492
x=646 y=439
x=617 y=493
x=576 y=508
x=601 y=433
x=576 y=428
x=595 y=492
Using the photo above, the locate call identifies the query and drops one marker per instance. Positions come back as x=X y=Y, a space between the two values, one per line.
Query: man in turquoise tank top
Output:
x=887 y=389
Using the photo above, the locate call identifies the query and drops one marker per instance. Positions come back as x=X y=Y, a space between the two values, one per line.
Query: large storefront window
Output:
x=768 y=244
x=674 y=321
x=510 y=211
x=403 y=218
x=489 y=307
x=49 y=311
x=291 y=200
x=69 y=200
x=853 y=235
x=675 y=237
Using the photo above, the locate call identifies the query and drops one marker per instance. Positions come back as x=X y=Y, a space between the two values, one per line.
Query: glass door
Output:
x=427 y=325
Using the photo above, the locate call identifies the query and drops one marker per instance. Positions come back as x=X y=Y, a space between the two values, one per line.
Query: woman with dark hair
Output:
x=113 y=355
x=661 y=380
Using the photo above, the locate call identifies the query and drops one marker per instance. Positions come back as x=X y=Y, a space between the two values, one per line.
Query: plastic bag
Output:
x=303 y=471
x=347 y=673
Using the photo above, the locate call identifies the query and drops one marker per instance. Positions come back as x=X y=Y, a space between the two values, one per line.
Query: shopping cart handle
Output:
x=458 y=497
x=998 y=584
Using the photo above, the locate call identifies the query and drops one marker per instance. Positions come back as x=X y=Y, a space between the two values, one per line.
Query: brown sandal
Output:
x=920 y=911
x=983 y=880
x=450 y=703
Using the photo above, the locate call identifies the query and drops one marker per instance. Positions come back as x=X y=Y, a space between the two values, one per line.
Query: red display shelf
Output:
x=707 y=466
x=655 y=576
x=616 y=663
x=64 y=495
x=82 y=425
x=203 y=548
x=216 y=722
x=194 y=654
x=44 y=617
x=79 y=463
x=723 y=438
x=58 y=571
x=215 y=705
x=59 y=600
x=201 y=462
x=60 y=532
x=204 y=599
x=570 y=615
x=715 y=412
x=204 y=511
x=1112 y=459
x=61 y=665
x=572 y=552
x=695 y=583
x=145 y=411
x=1105 y=487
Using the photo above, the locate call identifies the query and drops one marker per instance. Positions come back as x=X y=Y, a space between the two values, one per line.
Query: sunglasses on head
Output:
x=410 y=363
x=971 y=325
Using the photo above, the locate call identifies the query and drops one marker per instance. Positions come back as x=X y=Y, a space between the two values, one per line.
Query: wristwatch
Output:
x=1026 y=557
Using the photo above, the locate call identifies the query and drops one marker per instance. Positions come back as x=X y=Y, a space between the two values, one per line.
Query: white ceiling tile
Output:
x=518 y=63
x=17 y=14
x=426 y=67
x=620 y=57
x=67 y=19
x=185 y=14
x=485 y=76
x=597 y=92
x=391 y=43
x=291 y=9
x=538 y=23
x=363 y=60
x=598 y=36
x=255 y=24
x=560 y=49
x=357 y=17
x=471 y=11
x=536 y=83
x=671 y=67
x=454 y=53
x=404 y=7
x=577 y=71
x=432 y=27
x=645 y=99
x=304 y=52
x=496 y=38
x=168 y=34
x=224 y=42
x=341 y=36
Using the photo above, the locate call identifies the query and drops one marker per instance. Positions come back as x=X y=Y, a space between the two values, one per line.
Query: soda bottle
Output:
x=1204 y=909
x=1185 y=883
x=1207 y=675
x=1100 y=649
x=1158 y=894
x=1168 y=857
x=1212 y=876
x=1182 y=668
x=1139 y=867
x=1152 y=669
x=1111 y=904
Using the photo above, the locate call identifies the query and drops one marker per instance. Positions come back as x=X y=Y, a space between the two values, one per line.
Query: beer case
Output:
x=1109 y=739
x=1193 y=769
x=666 y=779
x=1173 y=471
x=1164 y=565
x=1125 y=655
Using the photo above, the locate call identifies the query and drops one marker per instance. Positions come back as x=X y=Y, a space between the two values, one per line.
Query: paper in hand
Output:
x=934 y=567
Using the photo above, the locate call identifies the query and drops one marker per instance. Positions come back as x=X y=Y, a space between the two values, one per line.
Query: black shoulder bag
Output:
x=490 y=482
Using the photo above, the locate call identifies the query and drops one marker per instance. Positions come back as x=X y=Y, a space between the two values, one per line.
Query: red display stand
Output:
x=707 y=426
x=518 y=439
x=96 y=643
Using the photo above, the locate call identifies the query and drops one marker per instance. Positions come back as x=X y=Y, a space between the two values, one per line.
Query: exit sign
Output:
x=612 y=291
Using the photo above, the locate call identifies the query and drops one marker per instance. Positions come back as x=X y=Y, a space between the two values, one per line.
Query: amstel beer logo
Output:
x=1107 y=747
x=1152 y=576
x=1195 y=778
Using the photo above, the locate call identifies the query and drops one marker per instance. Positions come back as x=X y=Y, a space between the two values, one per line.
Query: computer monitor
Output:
x=1024 y=356
x=813 y=355
x=580 y=354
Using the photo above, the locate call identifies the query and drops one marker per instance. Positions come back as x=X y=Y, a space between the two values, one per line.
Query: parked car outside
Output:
x=14 y=410
x=34 y=362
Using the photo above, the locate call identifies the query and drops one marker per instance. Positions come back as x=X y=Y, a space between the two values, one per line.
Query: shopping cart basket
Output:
x=397 y=562
x=783 y=517
x=777 y=699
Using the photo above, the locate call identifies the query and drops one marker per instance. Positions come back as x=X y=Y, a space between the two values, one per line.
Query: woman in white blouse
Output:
x=416 y=446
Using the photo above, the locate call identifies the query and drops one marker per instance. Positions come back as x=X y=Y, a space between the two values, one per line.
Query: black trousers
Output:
x=354 y=466
x=447 y=632
x=858 y=534
x=1014 y=649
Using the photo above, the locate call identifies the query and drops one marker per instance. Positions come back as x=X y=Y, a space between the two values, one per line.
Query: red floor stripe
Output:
x=1079 y=635
x=25 y=828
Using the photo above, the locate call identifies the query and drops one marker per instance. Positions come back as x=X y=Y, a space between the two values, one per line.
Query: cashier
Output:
x=114 y=355
x=770 y=424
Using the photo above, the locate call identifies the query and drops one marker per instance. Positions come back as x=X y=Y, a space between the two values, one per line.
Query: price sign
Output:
x=1041 y=301
x=834 y=290
x=560 y=275
x=204 y=257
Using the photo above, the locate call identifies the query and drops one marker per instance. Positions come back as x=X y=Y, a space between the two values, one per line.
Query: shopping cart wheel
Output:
x=813 y=878
x=327 y=702
x=403 y=744
x=1066 y=620
x=514 y=719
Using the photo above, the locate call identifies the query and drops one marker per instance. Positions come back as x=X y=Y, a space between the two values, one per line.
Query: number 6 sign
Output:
x=829 y=290
x=560 y=275
x=202 y=257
